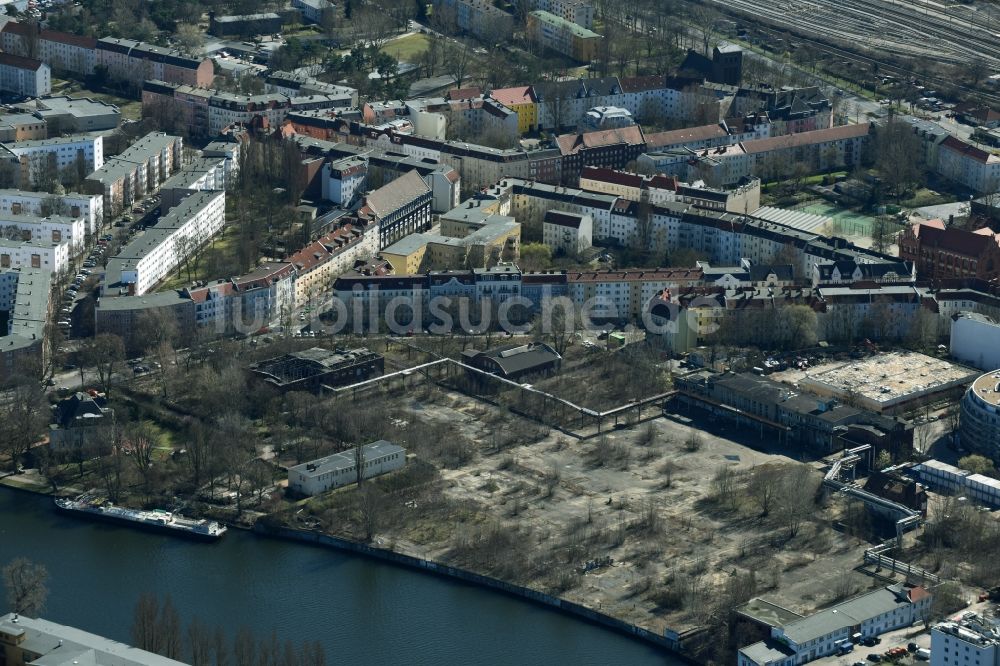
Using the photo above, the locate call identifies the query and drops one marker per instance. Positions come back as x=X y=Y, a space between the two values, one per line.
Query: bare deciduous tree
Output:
x=24 y=583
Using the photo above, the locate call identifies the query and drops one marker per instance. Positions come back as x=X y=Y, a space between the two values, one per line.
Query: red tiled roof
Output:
x=651 y=274
x=21 y=30
x=512 y=96
x=807 y=138
x=687 y=135
x=640 y=83
x=463 y=93
x=959 y=241
x=612 y=176
x=21 y=63
x=570 y=144
x=967 y=149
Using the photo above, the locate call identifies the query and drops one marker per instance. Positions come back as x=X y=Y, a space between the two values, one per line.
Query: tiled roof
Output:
x=22 y=30
x=512 y=96
x=612 y=176
x=968 y=150
x=807 y=138
x=399 y=192
x=21 y=63
x=572 y=143
x=688 y=135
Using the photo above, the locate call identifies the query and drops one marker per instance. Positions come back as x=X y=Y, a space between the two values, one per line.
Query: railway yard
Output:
x=908 y=38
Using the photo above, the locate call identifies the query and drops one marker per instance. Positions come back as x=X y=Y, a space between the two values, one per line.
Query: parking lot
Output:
x=866 y=655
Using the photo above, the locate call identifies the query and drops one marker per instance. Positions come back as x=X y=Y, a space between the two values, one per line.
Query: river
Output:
x=362 y=611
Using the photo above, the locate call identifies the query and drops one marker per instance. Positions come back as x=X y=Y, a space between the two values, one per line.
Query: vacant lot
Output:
x=678 y=510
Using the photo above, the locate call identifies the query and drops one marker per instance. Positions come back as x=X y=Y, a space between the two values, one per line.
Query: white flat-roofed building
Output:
x=46 y=255
x=341 y=469
x=54 y=228
x=152 y=255
x=974 y=640
x=983 y=489
x=66 y=114
x=37 y=156
x=72 y=204
x=941 y=476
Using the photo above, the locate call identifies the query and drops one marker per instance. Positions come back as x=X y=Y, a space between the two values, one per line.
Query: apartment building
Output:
x=61 y=51
x=580 y=12
x=206 y=113
x=202 y=173
x=478 y=17
x=51 y=228
x=136 y=172
x=120 y=314
x=480 y=242
x=398 y=208
x=24 y=297
x=151 y=256
x=24 y=76
x=296 y=84
x=659 y=190
x=135 y=62
x=567 y=233
x=840 y=146
x=381 y=168
x=613 y=149
x=940 y=252
x=245 y=25
x=321 y=261
x=41 y=158
x=90 y=207
x=972 y=640
x=523 y=102
x=42 y=254
x=313 y=10
x=245 y=304
x=557 y=34
x=968 y=165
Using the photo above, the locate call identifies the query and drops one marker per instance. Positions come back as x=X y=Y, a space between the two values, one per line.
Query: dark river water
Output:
x=362 y=611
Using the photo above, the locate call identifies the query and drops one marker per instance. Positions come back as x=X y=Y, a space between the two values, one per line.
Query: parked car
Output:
x=874 y=658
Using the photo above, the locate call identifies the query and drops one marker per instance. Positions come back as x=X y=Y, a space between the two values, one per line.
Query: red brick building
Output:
x=941 y=252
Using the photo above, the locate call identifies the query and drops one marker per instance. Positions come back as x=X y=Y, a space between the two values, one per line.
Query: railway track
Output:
x=887 y=67
x=878 y=24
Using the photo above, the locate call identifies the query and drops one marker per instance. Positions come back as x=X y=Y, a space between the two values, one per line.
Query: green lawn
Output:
x=407 y=49
x=215 y=263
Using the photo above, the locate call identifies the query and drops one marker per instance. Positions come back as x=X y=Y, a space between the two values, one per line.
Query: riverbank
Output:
x=364 y=611
x=670 y=643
